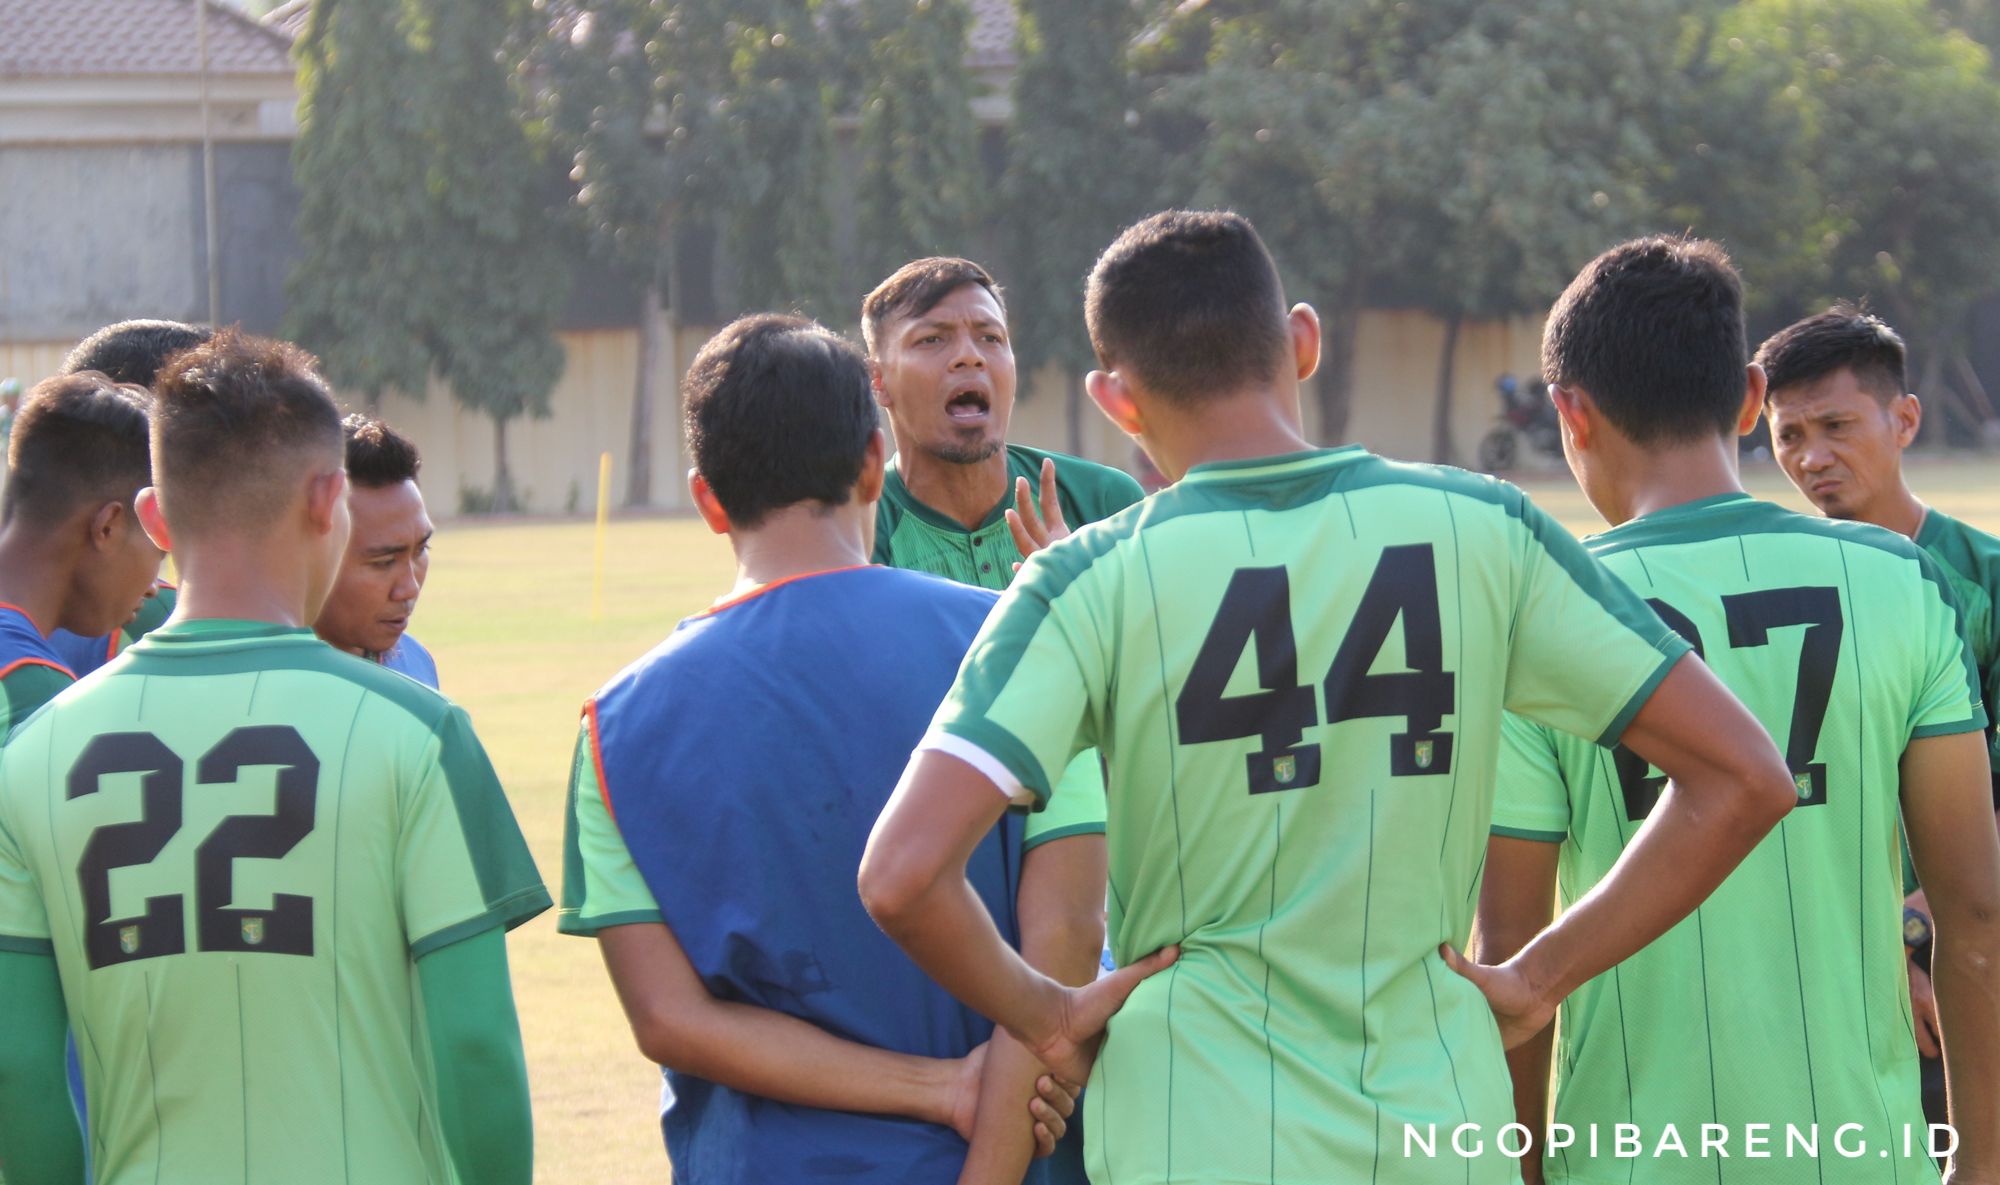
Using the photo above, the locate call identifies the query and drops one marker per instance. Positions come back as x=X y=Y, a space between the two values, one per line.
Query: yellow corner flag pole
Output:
x=603 y=521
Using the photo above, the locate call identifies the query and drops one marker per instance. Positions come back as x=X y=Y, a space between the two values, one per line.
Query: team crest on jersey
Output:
x=1804 y=784
x=253 y=931
x=1424 y=752
x=1285 y=770
x=128 y=939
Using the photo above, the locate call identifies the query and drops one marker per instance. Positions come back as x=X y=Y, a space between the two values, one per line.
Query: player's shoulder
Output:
x=1963 y=547
x=240 y=650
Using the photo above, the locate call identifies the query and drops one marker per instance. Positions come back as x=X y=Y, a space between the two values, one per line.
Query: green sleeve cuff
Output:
x=568 y=922
x=1035 y=841
x=1003 y=747
x=1527 y=833
x=1972 y=724
x=508 y=913
x=1672 y=650
x=27 y=946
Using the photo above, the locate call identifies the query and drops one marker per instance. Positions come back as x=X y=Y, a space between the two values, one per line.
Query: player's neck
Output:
x=1650 y=481
x=1237 y=428
x=237 y=580
x=1900 y=511
x=34 y=575
x=796 y=541
x=964 y=493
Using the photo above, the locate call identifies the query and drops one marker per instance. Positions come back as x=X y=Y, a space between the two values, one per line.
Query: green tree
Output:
x=779 y=120
x=631 y=90
x=357 y=295
x=499 y=275
x=1899 y=150
x=1070 y=151
x=921 y=179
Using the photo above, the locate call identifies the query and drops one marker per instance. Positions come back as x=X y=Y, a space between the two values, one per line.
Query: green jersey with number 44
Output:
x=1782 y=1000
x=1295 y=669
x=236 y=841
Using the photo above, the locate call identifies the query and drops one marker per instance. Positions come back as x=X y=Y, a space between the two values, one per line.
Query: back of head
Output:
x=1653 y=330
x=1842 y=338
x=915 y=289
x=778 y=411
x=377 y=455
x=1189 y=305
x=79 y=441
x=238 y=423
x=134 y=351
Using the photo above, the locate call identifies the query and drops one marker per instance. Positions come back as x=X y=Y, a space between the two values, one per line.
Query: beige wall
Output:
x=1395 y=382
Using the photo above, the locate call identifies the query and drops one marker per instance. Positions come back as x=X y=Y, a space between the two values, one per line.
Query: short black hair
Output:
x=1653 y=330
x=1845 y=336
x=377 y=455
x=234 y=419
x=779 y=410
x=79 y=440
x=918 y=287
x=134 y=351
x=1188 y=302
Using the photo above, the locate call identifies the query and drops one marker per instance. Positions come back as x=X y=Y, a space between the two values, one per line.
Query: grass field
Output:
x=508 y=614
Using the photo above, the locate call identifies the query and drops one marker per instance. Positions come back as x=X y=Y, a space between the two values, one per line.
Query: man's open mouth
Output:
x=969 y=404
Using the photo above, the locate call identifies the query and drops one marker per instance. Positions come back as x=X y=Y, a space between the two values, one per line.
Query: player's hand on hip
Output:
x=1923 y=1007
x=1033 y=528
x=1516 y=1003
x=1086 y=1010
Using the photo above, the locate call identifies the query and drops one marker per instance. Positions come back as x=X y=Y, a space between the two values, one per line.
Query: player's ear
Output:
x=107 y=525
x=874 y=463
x=1573 y=409
x=1304 y=325
x=707 y=504
x=326 y=493
x=875 y=382
x=1908 y=413
x=1752 y=410
x=1107 y=389
x=152 y=519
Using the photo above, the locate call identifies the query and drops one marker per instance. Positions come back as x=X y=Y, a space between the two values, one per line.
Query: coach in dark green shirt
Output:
x=1841 y=416
x=943 y=367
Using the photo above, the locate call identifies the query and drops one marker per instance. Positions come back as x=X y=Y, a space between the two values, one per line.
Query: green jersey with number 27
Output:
x=1782 y=1000
x=1295 y=668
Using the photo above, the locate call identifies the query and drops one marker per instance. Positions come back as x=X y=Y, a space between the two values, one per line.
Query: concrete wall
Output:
x=100 y=233
x=554 y=461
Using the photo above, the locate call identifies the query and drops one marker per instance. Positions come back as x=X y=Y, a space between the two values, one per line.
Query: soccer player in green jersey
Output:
x=1841 y=417
x=943 y=368
x=1295 y=662
x=1782 y=1000
x=266 y=883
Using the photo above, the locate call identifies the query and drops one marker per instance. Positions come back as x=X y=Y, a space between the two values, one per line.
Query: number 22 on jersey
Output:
x=1256 y=613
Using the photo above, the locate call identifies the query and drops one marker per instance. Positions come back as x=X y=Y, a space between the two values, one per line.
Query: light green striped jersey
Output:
x=1295 y=669
x=1783 y=998
x=237 y=841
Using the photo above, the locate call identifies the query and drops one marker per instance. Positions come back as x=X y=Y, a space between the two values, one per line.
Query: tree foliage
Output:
x=1071 y=150
x=357 y=295
x=921 y=186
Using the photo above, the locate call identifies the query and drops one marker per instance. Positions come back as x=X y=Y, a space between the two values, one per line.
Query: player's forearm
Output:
x=39 y=1140
x=775 y=1056
x=1062 y=934
x=481 y=1072
x=1528 y=1065
x=945 y=930
x=1965 y=973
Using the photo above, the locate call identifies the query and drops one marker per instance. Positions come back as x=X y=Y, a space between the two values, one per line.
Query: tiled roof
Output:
x=290 y=18
x=82 y=38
